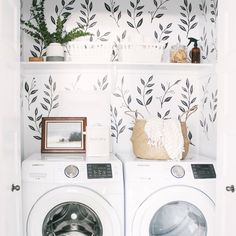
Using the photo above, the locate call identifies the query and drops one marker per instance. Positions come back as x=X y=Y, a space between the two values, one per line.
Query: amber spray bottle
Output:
x=195 y=52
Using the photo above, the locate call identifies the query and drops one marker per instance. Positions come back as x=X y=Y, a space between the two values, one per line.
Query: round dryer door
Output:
x=73 y=211
x=175 y=211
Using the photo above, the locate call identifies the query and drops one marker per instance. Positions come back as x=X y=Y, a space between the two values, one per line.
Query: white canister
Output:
x=55 y=52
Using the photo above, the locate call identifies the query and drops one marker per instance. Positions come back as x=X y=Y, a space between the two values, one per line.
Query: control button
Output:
x=177 y=171
x=71 y=171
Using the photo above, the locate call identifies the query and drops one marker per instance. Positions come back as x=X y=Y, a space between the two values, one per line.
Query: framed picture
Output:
x=63 y=134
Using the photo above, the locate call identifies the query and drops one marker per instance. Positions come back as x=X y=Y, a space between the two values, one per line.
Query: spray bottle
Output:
x=195 y=52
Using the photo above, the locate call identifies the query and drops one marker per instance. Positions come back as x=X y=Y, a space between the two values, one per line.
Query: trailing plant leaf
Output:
x=31 y=92
x=164 y=33
x=126 y=101
x=204 y=45
x=134 y=14
x=114 y=10
x=116 y=124
x=114 y=56
x=101 y=85
x=159 y=5
x=167 y=92
x=188 y=106
x=145 y=92
x=87 y=18
x=213 y=107
x=50 y=100
x=203 y=8
x=214 y=11
x=36 y=123
x=188 y=19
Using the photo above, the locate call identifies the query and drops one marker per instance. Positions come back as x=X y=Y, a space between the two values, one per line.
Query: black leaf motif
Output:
x=139 y=90
x=129 y=100
x=149 y=101
x=182 y=27
x=122 y=130
x=44 y=106
x=139 y=102
x=163 y=87
x=130 y=24
x=26 y=87
x=140 y=23
x=31 y=127
x=159 y=16
x=148 y=91
x=107 y=7
x=53 y=20
x=184 y=103
x=181 y=108
x=31 y=118
x=167 y=99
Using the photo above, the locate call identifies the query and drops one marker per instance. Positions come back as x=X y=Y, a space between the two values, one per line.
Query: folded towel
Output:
x=167 y=133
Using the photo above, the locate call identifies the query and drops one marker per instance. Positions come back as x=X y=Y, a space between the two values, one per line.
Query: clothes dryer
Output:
x=66 y=195
x=168 y=198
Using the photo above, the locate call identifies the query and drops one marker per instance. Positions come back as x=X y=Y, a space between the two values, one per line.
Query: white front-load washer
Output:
x=168 y=198
x=70 y=195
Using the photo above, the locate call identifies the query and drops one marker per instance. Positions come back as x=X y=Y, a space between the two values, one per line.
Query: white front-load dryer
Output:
x=168 y=198
x=66 y=195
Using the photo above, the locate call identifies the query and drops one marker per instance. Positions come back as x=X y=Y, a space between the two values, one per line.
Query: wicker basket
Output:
x=87 y=52
x=143 y=150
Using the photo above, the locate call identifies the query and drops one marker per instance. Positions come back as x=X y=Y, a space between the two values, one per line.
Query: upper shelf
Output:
x=72 y=66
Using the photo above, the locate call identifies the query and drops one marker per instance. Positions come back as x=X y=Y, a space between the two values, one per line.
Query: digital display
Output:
x=99 y=171
x=203 y=171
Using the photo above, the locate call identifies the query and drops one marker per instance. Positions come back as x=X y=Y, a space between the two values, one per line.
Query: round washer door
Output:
x=79 y=203
x=175 y=211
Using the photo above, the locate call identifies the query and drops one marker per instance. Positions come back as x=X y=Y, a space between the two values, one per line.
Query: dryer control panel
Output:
x=99 y=170
x=203 y=171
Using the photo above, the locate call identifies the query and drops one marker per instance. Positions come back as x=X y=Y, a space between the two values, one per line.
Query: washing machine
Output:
x=71 y=195
x=168 y=198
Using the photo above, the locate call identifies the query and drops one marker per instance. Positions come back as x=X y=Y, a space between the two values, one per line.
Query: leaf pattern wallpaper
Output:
x=135 y=93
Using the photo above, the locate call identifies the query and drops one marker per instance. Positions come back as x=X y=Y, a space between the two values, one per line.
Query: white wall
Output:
x=201 y=124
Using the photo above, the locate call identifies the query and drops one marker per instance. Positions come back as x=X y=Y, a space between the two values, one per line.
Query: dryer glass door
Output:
x=178 y=218
x=175 y=211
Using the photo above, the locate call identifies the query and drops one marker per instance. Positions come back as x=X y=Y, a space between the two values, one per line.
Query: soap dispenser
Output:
x=195 y=52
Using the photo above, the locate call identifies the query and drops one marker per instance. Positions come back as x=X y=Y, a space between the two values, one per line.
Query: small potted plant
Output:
x=37 y=28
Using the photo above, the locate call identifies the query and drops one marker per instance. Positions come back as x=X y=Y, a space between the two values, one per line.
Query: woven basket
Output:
x=143 y=150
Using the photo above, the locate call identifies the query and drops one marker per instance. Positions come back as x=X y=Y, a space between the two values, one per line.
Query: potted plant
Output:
x=37 y=28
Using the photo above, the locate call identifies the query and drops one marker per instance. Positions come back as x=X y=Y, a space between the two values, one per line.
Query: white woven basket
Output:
x=87 y=52
x=142 y=53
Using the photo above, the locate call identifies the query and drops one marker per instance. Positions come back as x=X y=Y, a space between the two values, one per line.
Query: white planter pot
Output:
x=55 y=52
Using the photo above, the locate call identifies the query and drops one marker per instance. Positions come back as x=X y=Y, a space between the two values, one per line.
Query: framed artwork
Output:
x=63 y=134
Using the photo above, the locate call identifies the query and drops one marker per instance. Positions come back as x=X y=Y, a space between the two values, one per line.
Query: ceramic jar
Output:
x=55 y=52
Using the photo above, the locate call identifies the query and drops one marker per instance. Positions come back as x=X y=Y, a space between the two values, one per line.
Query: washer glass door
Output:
x=72 y=218
x=178 y=218
x=73 y=211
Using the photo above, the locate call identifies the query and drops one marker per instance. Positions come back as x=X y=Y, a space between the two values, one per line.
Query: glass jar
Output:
x=178 y=54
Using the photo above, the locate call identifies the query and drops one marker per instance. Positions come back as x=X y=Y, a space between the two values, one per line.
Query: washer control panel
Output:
x=99 y=171
x=177 y=171
x=71 y=171
x=203 y=171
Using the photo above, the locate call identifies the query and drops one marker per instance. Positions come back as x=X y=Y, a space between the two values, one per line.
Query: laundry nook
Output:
x=117 y=118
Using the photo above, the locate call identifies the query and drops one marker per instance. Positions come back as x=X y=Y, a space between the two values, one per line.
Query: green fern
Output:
x=37 y=28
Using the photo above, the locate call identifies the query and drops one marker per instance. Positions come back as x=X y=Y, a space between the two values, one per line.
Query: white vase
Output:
x=55 y=52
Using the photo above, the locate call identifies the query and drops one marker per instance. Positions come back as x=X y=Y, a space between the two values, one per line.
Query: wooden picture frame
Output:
x=63 y=134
